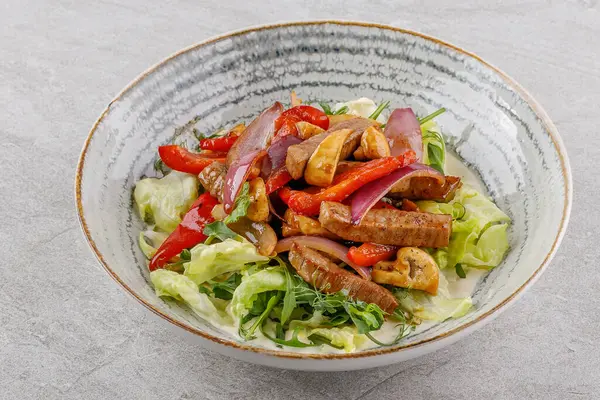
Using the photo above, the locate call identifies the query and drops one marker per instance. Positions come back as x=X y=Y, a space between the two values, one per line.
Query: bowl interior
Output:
x=489 y=124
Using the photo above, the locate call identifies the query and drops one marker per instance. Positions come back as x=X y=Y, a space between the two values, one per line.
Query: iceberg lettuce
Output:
x=253 y=284
x=434 y=308
x=479 y=237
x=209 y=261
x=149 y=241
x=164 y=201
x=180 y=287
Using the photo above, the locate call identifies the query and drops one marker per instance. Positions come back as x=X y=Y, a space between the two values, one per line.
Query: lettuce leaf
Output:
x=180 y=287
x=489 y=249
x=149 y=242
x=164 y=201
x=346 y=337
x=209 y=261
x=479 y=237
x=434 y=147
x=253 y=284
x=433 y=308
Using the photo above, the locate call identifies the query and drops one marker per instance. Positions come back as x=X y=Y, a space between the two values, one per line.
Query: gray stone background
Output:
x=68 y=331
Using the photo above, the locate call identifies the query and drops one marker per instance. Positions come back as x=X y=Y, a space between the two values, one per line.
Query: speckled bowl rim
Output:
x=494 y=312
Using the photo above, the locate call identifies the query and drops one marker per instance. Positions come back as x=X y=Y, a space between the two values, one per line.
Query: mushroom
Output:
x=321 y=166
x=359 y=154
x=307 y=130
x=296 y=224
x=259 y=202
x=374 y=144
x=412 y=269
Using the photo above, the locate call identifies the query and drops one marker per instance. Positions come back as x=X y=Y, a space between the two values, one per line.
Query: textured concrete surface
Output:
x=68 y=331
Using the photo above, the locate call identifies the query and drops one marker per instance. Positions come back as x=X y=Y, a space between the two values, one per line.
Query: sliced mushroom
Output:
x=259 y=202
x=260 y=234
x=359 y=154
x=321 y=166
x=374 y=144
x=413 y=269
x=307 y=130
x=296 y=224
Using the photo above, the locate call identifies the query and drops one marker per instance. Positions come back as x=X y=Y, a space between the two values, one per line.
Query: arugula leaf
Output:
x=319 y=340
x=185 y=255
x=240 y=208
x=379 y=110
x=436 y=157
x=271 y=302
x=431 y=116
x=224 y=290
x=293 y=342
x=326 y=108
x=219 y=230
x=460 y=271
x=366 y=317
x=289 y=300
x=341 y=111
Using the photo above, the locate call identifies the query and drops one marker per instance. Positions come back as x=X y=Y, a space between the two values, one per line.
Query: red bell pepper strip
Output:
x=286 y=123
x=288 y=127
x=368 y=254
x=218 y=144
x=306 y=113
x=277 y=179
x=180 y=159
x=284 y=194
x=309 y=204
x=383 y=205
x=188 y=233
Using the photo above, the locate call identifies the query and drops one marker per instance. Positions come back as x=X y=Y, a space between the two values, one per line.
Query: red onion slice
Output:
x=325 y=245
x=236 y=176
x=366 y=197
x=403 y=132
x=257 y=135
x=278 y=150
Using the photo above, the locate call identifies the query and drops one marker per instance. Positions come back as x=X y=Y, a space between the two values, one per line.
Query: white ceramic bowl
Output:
x=492 y=123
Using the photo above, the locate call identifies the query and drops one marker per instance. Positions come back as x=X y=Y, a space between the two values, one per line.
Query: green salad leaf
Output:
x=433 y=308
x=479 y=238
x=165 y=201
x=252 y=285
x=149 y=242
x=434 y=147
x=180 y=287
x=209 y=261
x=240 y=208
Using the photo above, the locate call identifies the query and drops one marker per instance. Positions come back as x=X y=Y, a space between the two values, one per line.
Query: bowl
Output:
x=492 y=124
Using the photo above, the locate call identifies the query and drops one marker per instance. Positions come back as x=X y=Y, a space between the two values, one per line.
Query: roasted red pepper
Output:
x=383 y=205
x=309 y=204
x=306 y=113
x=286 y=123
x=368 y=254
x=284 y=194
x=219 y=144
x=188 y=233
x=180 y=159
x=277 y=179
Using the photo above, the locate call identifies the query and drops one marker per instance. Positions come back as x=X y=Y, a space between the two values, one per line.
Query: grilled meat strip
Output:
x=425 y=188
x=386 y=226
x=316 y=269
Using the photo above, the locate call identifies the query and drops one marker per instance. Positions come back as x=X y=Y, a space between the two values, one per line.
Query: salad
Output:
x=325 y=228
